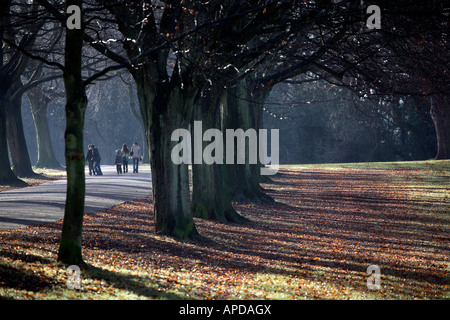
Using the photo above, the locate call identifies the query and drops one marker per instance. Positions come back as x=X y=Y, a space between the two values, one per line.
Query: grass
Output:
x=329 y=223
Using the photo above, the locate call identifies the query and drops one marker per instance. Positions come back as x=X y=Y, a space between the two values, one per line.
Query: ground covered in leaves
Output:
x=328 y=225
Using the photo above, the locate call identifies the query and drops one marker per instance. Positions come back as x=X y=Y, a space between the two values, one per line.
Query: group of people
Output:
x=122 y=158
x=124 y=155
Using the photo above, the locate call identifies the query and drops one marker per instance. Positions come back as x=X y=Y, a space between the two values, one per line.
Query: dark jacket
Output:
x=96 y=155
x=118 y=159
x=90 y=155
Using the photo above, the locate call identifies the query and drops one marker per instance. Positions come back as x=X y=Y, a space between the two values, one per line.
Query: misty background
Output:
x=319 y=123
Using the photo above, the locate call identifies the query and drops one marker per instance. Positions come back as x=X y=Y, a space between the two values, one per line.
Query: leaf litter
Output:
x=316 y=241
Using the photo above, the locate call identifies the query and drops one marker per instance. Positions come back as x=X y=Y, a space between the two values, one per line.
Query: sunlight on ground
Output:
x=329 y=223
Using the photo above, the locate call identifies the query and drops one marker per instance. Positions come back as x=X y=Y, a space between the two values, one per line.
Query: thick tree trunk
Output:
x=164 y=111
x=210 y=196
x=39 y=104
x=243 y=109
x=76 y=102
x=440 y=113
x=7 y=176
x=16 y=138
x=173 y=215
x=10 y=79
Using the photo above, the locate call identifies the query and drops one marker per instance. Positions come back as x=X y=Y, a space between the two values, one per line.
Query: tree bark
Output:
x=39 y=104
x=136 y=115
x=21 y=163
x=165 y=108
x=10 y=77
x=440 y=113
x=7 y=176
x=210 y=196
x=7 y=81
x=243 y=109
x=76 y=101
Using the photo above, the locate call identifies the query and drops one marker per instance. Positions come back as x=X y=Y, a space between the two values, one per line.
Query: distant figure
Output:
x=125 y=157
x=90 y=159
x=118 y=161
x=97 y=160
x=135 y=153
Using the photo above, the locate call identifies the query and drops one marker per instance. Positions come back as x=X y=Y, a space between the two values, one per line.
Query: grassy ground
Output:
x=329 y=224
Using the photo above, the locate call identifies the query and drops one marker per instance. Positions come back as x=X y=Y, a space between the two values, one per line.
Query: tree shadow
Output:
x=20 y=279
x=128 y=282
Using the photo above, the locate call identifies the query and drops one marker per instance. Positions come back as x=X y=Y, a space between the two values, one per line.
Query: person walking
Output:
x=90 y=159
x=118 y=161
x=135 y=153
x=97 y=159
x=125 y=157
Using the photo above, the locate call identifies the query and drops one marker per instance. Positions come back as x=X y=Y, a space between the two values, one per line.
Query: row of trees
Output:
x=214 y=61
x=112 y=119
x=321 y=123
x=329 y=124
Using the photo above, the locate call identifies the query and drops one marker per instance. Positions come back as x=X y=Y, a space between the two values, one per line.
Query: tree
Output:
x=232 y=58
x=315 y=31
x=39 y=100
x=243 y=109
x=408 y=56
x=10 y=99
x=21 y=36
x=76 y=102
x=167 y=91
x=211 y=197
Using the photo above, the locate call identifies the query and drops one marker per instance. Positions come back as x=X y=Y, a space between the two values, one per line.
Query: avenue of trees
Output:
x=329 y=124
x=228 y=64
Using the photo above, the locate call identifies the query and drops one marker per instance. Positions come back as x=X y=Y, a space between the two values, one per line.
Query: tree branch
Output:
x=32 y=56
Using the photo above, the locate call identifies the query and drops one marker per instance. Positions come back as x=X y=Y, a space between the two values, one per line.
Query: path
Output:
x=45 y=203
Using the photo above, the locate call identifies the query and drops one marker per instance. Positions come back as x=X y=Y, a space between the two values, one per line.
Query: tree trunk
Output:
x=210 y=196
x=39 y=104
x=70 y=245
x=440 y=113
x=76 y=102
x=243 y=109
x=163 y=110
x=7 y=176
x=10 y=79
x=138 y=118
x=21 y=163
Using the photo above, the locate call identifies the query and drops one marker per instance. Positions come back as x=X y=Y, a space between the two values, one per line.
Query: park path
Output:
x=45 y=202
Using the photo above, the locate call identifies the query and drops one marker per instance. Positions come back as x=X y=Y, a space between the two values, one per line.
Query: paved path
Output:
x=45 y=203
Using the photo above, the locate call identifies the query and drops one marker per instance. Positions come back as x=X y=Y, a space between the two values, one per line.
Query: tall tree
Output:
x=39 y=100
x=243 y=109
x=25 y=34
x=13 y=65
x=76 y=103
x=440 y=113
